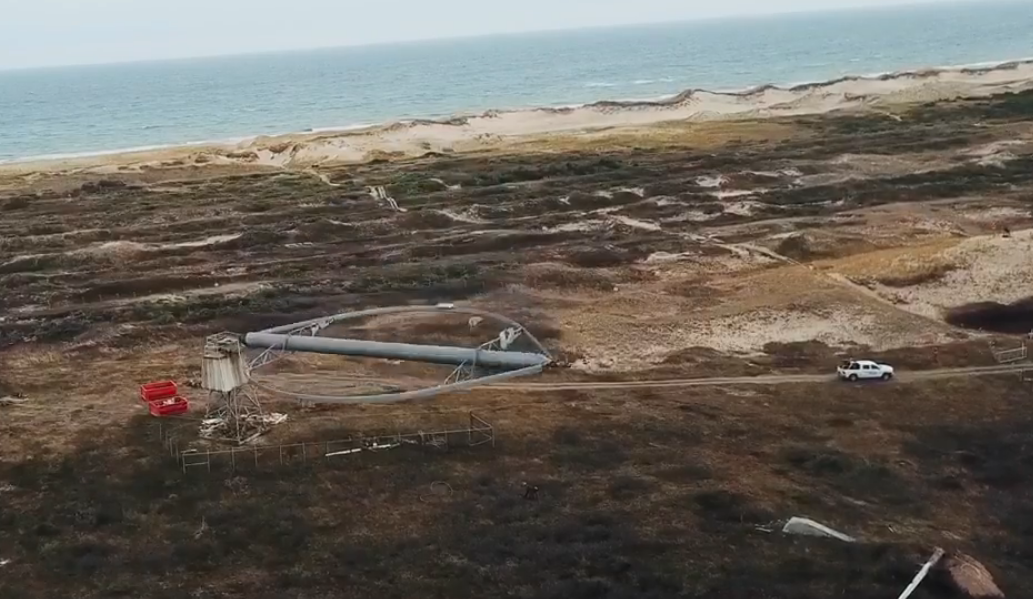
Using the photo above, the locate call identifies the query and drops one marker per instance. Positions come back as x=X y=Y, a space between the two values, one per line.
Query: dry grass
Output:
x=560 y=278
x=653 y=490
x=901 y=266
x=645 y=493
x=917 y=272
x=667 y=135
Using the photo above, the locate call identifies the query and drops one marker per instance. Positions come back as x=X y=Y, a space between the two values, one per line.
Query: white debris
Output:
x=508 y=336
x=4 y=562
x=257 y=424
x=810 y=528
x=274 y=419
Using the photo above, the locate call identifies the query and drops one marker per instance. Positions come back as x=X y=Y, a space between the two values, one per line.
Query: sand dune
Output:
x=478 y=131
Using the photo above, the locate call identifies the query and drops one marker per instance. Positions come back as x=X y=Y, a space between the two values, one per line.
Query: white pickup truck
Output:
x=859 y=370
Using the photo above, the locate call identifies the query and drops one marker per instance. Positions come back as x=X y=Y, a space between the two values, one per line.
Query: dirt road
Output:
x=765 y=379
x=329 y=384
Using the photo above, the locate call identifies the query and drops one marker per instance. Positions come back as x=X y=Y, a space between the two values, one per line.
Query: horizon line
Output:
x=402 y=42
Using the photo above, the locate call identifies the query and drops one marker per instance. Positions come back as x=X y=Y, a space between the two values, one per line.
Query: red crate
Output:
x=169 y=407
x=160 y=390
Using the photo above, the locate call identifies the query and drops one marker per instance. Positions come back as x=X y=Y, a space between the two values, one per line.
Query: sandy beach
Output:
x=465 y=133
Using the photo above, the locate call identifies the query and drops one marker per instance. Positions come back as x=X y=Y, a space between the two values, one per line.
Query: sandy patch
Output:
x=636 y=223
x=744 y=208
x=585 y=225
x=999 y=152
x=711 y=181
x=465 y=216
x=735 y=193
x=125 y=249
x=991 y=268
x=640 y=327
x=227 y=289
x=932 y=278
x=999 y=216
x=748 y=333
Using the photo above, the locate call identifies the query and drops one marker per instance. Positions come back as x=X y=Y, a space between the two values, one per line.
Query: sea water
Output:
x=87 y=109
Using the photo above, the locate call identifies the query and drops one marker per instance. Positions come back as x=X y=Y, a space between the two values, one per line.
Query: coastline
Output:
x=465 y=132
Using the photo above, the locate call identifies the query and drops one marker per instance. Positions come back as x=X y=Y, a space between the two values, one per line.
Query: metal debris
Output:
x=380 y=446
x=810 y=528
x=367 y=446
x=256 y=425
x=343 y=452
x=937 y=555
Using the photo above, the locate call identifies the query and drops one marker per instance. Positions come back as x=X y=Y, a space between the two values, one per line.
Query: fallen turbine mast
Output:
x=433 y=354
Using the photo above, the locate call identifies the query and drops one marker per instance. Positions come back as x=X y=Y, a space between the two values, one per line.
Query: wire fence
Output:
x=478 y=432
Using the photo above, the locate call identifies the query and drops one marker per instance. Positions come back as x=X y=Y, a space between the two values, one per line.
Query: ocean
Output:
x=94 y=109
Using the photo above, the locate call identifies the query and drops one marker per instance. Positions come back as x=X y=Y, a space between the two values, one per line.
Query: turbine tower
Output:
x=234 y=413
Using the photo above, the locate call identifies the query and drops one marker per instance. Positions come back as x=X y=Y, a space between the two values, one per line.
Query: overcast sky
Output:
x=58 y=32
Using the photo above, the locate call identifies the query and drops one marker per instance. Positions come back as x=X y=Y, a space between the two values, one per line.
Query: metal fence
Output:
x=1009 y=356
x=478 y=432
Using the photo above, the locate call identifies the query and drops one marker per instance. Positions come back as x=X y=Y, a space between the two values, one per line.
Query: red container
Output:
x=157 y=391
x=169 y=407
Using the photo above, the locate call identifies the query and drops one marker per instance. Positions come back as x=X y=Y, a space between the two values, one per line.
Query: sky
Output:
x=35 y=33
